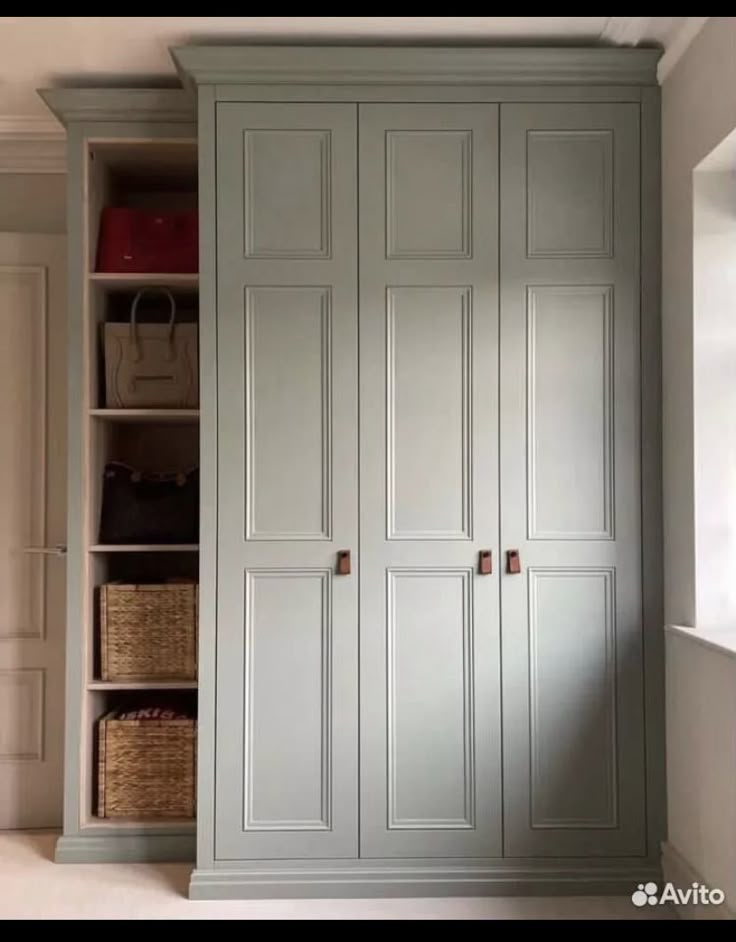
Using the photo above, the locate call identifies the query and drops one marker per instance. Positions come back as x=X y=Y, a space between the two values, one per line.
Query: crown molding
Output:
x=129 y=105
x=415 y=65
x=679 y=45
x=31 y=144
x=626 y=30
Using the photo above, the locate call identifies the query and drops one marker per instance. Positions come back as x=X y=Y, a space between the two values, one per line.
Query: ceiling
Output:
x=38 y=51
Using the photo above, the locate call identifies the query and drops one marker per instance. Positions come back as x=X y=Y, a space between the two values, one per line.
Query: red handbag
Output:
x=138 y=240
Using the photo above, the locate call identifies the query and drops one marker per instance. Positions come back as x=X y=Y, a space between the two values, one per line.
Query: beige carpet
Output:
x=32 y=886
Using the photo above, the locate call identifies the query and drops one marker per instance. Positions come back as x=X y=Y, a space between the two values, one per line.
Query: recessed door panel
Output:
x=288 y=351
x=288 y=630
x=572 y=723
x=569 y=193
x=429 y=375
x=430 y=699
x=287 y=190
x=428 y=193
x=569 y=385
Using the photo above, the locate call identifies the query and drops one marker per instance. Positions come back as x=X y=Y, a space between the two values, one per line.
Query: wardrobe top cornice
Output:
x=130 y=105
x=415 y=65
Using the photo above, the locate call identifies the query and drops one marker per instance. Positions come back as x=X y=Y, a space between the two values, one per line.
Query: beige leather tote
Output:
x=151 y=365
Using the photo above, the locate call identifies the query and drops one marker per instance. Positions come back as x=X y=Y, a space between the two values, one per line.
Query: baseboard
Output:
x=366 y=880
x=677 y=871
x=126 y=848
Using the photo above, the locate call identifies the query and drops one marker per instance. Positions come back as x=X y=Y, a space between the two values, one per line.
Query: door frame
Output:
x=46 y=253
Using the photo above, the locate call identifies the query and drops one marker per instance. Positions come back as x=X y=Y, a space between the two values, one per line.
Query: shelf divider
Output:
x=145 y=548
x=174 y=416
x=113 y=686
x=175 y=825
x=123 y=280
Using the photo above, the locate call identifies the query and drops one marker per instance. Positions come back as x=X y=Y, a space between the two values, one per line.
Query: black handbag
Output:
x=144 y=507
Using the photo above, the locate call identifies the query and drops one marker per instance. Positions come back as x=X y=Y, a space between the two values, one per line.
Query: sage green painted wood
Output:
x=96 y=116
x=125 y=848
x=651 y=418
x=437 y=865
x=101 y=110
x=207 y=603
x=75 y=601
x=121 y=105
x=420 y=878
x=464 y=93
x=574 y=774
x=430 y=707
x=416 y=65
x=287 y=680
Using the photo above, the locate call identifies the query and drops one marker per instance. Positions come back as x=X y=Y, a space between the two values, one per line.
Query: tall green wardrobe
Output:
x=430 y=655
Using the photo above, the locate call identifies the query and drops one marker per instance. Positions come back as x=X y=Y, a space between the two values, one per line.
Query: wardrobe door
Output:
x=429 y=656
x=287 y=673
x=570 y=481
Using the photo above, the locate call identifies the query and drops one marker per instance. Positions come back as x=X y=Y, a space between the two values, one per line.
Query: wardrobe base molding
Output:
x=126 y=848
x=371 y=880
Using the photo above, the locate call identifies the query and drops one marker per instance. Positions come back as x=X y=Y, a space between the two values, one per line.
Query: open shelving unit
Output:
x=144 y=173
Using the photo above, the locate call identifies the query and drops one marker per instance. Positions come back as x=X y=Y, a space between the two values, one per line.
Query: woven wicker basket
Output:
x=148 y=632
x=146 y=768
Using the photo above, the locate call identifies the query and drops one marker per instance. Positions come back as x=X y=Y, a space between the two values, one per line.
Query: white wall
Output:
x=33 y=202
x=714 y=395
x=701 y=760
x=698 y=112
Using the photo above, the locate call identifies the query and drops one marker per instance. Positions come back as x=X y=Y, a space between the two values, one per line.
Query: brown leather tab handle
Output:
x=485 y=563
x=344 y=563
x=513 y=562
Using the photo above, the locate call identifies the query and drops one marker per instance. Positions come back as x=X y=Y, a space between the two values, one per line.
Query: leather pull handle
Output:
x=513 y=562
x=485 y=563
x=344 y=563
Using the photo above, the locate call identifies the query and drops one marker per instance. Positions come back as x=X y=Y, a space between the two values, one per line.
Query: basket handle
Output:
x=134 y=341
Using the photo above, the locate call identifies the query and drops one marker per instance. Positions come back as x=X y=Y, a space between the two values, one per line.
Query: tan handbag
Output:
x=151 y=365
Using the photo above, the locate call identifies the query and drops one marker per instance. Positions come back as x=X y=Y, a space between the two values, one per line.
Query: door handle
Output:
x=485 y=563
x=513 y=562
x=59 y=550
x=344 y=563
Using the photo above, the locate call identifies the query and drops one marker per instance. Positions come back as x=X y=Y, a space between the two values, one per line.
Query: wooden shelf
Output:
x=145 y=548
x=173 y=416
x=103 y=685
x=134 y=280
x=186 y=825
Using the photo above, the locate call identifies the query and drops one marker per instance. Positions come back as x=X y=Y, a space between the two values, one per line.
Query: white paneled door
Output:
x=570 y=481
x=287 y=631
x=32 y=524
x=429 y=622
